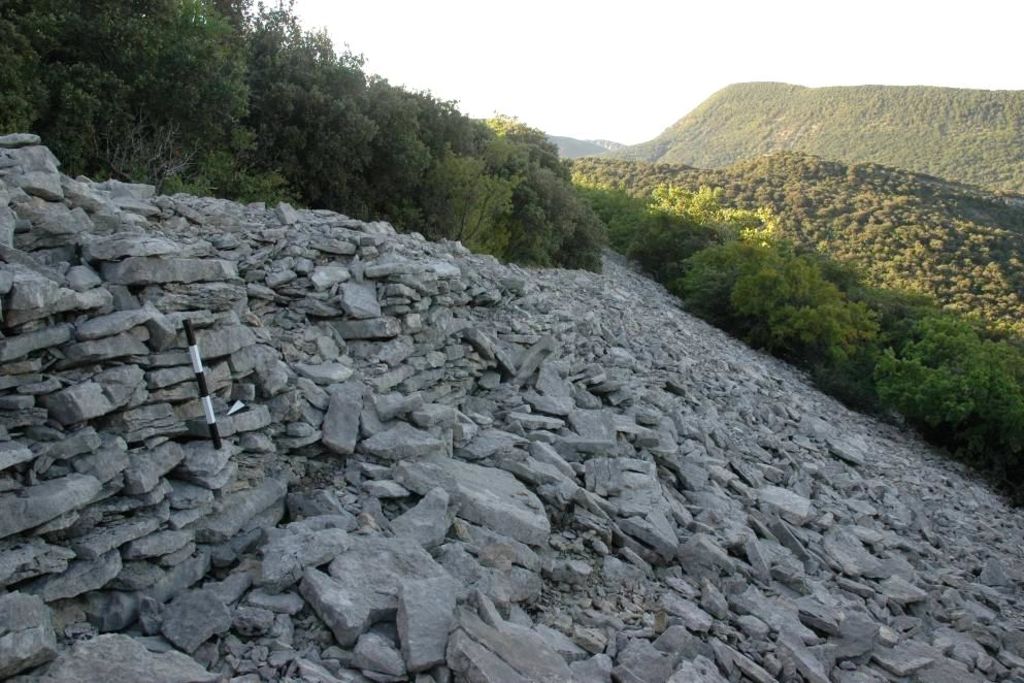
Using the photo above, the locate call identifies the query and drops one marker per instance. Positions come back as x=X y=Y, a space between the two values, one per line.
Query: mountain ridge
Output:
x=962 y=245
x=973 y=136
x=573 y=148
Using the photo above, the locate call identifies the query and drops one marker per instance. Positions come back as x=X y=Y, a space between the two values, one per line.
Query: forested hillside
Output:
x=227 y=97
x=573 y=148
x=974 y=136
x=958 y=244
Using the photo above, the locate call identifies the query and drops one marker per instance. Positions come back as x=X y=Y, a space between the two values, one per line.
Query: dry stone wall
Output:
x=446 y=469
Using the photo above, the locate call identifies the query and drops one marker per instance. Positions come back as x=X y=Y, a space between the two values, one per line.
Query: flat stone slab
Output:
x=13 y=453
x=119 y=246
x=325 y=373
x=426 y=612
x=114 y=657
x=341 y=423
x=194 y=617
x=80 y=577
x=22 y=559
x=371 y=328
x=27 y=638
x=34 y=505
x=427 y=522
x=141 y=270
x=237 y=509
x=362 y=585
x=403 y=441
x=485 y=495
x=309 y=543
x=13 y=348
x=902 y=592
x=791 y=506
x=521 y=649
x=359 y=300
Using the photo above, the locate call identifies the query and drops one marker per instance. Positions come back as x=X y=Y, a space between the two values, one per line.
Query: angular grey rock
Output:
x=194 y=617
x=112 y=657
x=485 y=495
x=203 y=464
x=223 y=341
x=34 y=505
x=325 y=277
x=699 y=670
x=297 y=546
x=252 y=621
x=336 y=247
x=106 y=349
x=237 y=509
x=385 y=488
x=474 y=662
x=371 y=328
x=144 y=422
x=359 y=300
x=26 y=633
x=846 y=549
x=141 y=270
x=325 y=373
x=22 y=559
x=532 y=358
x=103 y=539
x=994 y=574
x=900 y=591
x=13 y=453
x=21 y=345
x=149 y=465
x=810 y=667
x=279 y=603
x=352 y=597
x=82 y=278
x=597 y=669
x=792 y=507
x=374 y=654
x=518 y=646
x=491 y=442
x=80 y=577
x=78 y=403
x=112 y=323
x=426 y=614
x=403 y=441
x=640 y=661
x=119 y=246
x=341 y=423
x=157 y=544
x=286 y=214
x=427 y=522
x=849 y=448
x=14 y=140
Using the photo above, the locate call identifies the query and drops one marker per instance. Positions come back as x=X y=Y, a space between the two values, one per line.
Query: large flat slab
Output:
x=485 y=495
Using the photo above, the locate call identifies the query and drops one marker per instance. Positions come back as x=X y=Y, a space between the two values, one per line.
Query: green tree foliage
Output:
x=971 y=136
x=307 y=110
x=962 y=246
x=961 y=387
x=224 y=97
x=548 y=222
x=874 y=348
x=130 y=93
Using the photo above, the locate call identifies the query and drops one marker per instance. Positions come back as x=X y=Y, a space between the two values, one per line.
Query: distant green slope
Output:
x=573 y=148
x=959 y=244
x=973 y=136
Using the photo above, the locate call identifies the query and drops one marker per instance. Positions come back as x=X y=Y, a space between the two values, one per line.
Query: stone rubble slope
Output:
x=447 y=469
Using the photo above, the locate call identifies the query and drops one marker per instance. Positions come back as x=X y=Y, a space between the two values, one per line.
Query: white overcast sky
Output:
x=626 y=70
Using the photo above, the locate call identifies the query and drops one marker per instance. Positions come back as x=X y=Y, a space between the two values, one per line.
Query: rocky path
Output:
x=447 y=469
